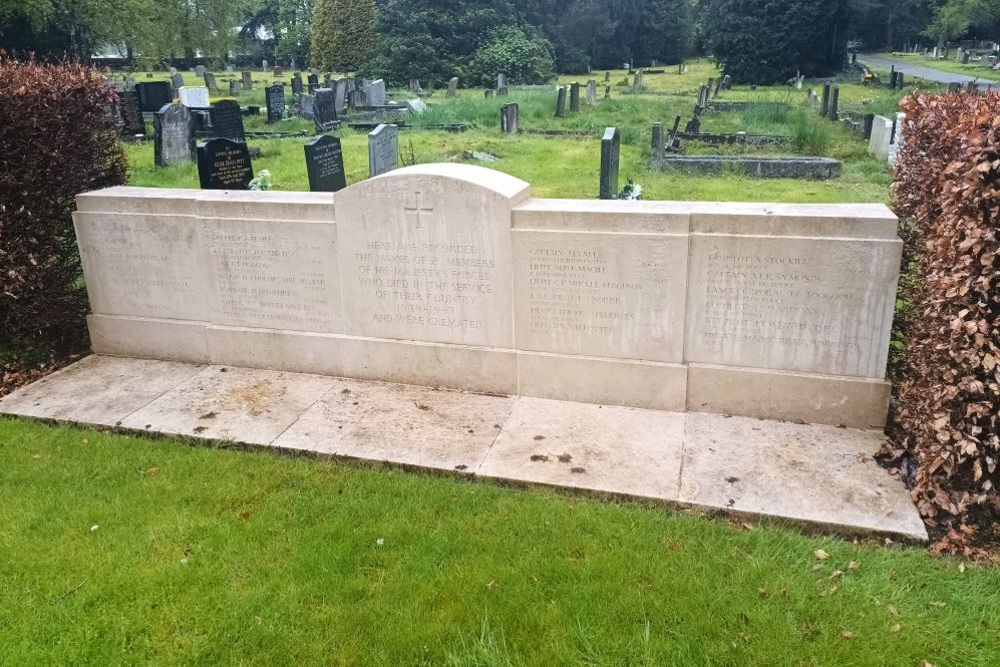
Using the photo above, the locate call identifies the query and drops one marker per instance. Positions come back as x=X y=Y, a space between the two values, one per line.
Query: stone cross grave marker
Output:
x=509 y=117
x=610 y=151
x=452 y=86
x=210 y=82
x=132 y=121
x=194 y=97
x=224 y=164
x=274 y=96
x=383 y=151
x=560 y=101
x=574 y=97
x=227 y=120
x=325 y=164
x=173 y=135
x=324 y=110
x=153 y=95
x=247 y=80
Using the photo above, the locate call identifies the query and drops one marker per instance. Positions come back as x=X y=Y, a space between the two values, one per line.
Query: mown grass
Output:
x=125 y=551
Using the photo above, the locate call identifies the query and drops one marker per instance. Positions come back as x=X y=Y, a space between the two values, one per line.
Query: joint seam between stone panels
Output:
x=855 y=239
x=503 y=425
x=300 y=415
x=164 y=393
x=680 y=465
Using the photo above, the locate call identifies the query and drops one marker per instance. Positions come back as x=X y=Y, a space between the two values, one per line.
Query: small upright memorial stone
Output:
x=173 y=135
x=834 y=103
x=509 y=118
x=452 y=86
x=376 y=93
x=247 y=80
x=324 y=110
x=560 y=101
x=153 y=95
x=592 y=93
x=224 y=164
x=501 y=84
x=658 y=141
x=274 y=96
x=325 y=164
x=277 y=71
x=313 y=80
x=194 y=97
x=227 y=120
x=210 y=82
x=610 y=148
x=235 y=87
x=340 y=96
x=132 y=121
x=307 y=104
x=199 y=70
x=296 y=84
x=383 y=152
x=176 y=80
x=574 y=97
x=825 y=103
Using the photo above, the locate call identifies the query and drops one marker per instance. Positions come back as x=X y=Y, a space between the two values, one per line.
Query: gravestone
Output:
x=376 y=93
x=340 y=96
x=210 y=82
x=173 y=135
x=132 y=121
x=501 y=85
x=296 y=84
x=869 y=121
x=574 y=97
x=199 y=70
x=230 y=68
x=130 y=82
x=637 y=81
x=313 y=82
x=277 y=71
x=227 y=120
x=452 y=86
x=153 y=95
x=263 y=65
x=193 y=97
x=383 y=151
x=834 y=103
x=325 y=164
x=324 y=110
x=328 y=80
x=274 y=97
x=415 y=86
x=509 y=118
x=658 y=142
x=560 y=101
x=172 y=70
x=224 y=164
x=416 y=105
x=825 y=103
x=235 y=87
x=607 y=76
x=176 y=80
x=488 y=94
x=247 y=80
x=306 y=106
x=610 y=152
x=592 y=93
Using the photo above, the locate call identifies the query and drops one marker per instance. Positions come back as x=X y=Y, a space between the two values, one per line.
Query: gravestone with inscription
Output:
x=194 y=97
x=173 y=135
x=324 y=110
x=451 y=275
x=383 y=151
x=376 y=93
x=325 y=164
x=153 y=95
x=610 y=151
x=132 y=120
x=227 y=120
x=224 y=164
x=274 y=97
x=277 y=71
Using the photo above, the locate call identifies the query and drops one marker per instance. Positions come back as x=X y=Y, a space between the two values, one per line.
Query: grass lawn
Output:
x=568 y=166
x=126 y=551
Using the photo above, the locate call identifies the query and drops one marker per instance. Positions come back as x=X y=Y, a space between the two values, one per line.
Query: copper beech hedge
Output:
x=58 y=137
x=946 y=416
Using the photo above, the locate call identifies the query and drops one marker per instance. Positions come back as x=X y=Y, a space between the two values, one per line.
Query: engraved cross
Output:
x=416 y=209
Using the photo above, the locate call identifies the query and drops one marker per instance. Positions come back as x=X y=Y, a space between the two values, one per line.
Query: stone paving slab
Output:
x=810 y=474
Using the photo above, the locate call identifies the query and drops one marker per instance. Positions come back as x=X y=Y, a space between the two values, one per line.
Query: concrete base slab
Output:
x=819 y=475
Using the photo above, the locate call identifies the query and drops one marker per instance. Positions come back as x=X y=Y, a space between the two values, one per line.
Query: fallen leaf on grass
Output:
x=763 y=593
x=817 y=566
x=493 y=584
x=937 y=604
x=896 y=628
x=153 y=472
x=244 y=516
x=893 y=611
x=85 y=441
x=853 y=565
x=846 y=634
x=836 y=573
x=820 y=554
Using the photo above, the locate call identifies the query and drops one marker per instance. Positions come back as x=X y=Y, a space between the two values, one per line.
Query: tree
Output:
x=952 y=20
x=523 y=58
x=768 y=41
x=344 y=34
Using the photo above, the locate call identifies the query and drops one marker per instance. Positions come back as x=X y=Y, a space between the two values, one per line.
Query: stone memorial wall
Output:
x=453 y=276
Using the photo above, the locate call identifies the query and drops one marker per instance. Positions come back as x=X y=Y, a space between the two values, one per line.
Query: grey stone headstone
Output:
x=560 y=101
x=415 y=86
x=230 y=69
x=210 y=82
x=227 y=120
x=263 y=65
x=610 y=153
x=376 y=93
x=509 y=118
x=173 y=70
x=247 y=80
x=224 y=164
x=637 y=81
x=452 y=86
x=658 y=143
x=592 y=93
x=296 y=84
x=306 y=106
x=574 y=97
x=383 y=150
x=825 y=103
x=274 y=96
x=607 y=76
x=177 y=80
x=277 y=71
x=235 y=87
x=416 y=105
x=834 y=103
x=325 y=164
x=340 y=96
x=324 y=110
x=502 y=85
x=199 y=70
x=173 y=135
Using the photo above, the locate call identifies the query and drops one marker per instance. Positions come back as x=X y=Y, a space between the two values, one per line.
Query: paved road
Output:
x=926 y=73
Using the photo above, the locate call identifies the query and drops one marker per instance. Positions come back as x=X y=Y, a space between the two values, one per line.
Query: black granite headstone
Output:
x=275 y=98
x=313 y=80
x=574 y=97
x=324 y=110
x=325 y=164
x=227 y=120
x=297 y=84
x=561 y=101
x=132 y=122
x=153 y=95
x=224 y=164
x=610 y=151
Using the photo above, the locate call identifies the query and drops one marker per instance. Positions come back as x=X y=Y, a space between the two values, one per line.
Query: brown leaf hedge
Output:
x=58 y=137
x=946 y=416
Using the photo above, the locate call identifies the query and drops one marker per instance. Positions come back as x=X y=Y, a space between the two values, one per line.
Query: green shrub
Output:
x=522 y=57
